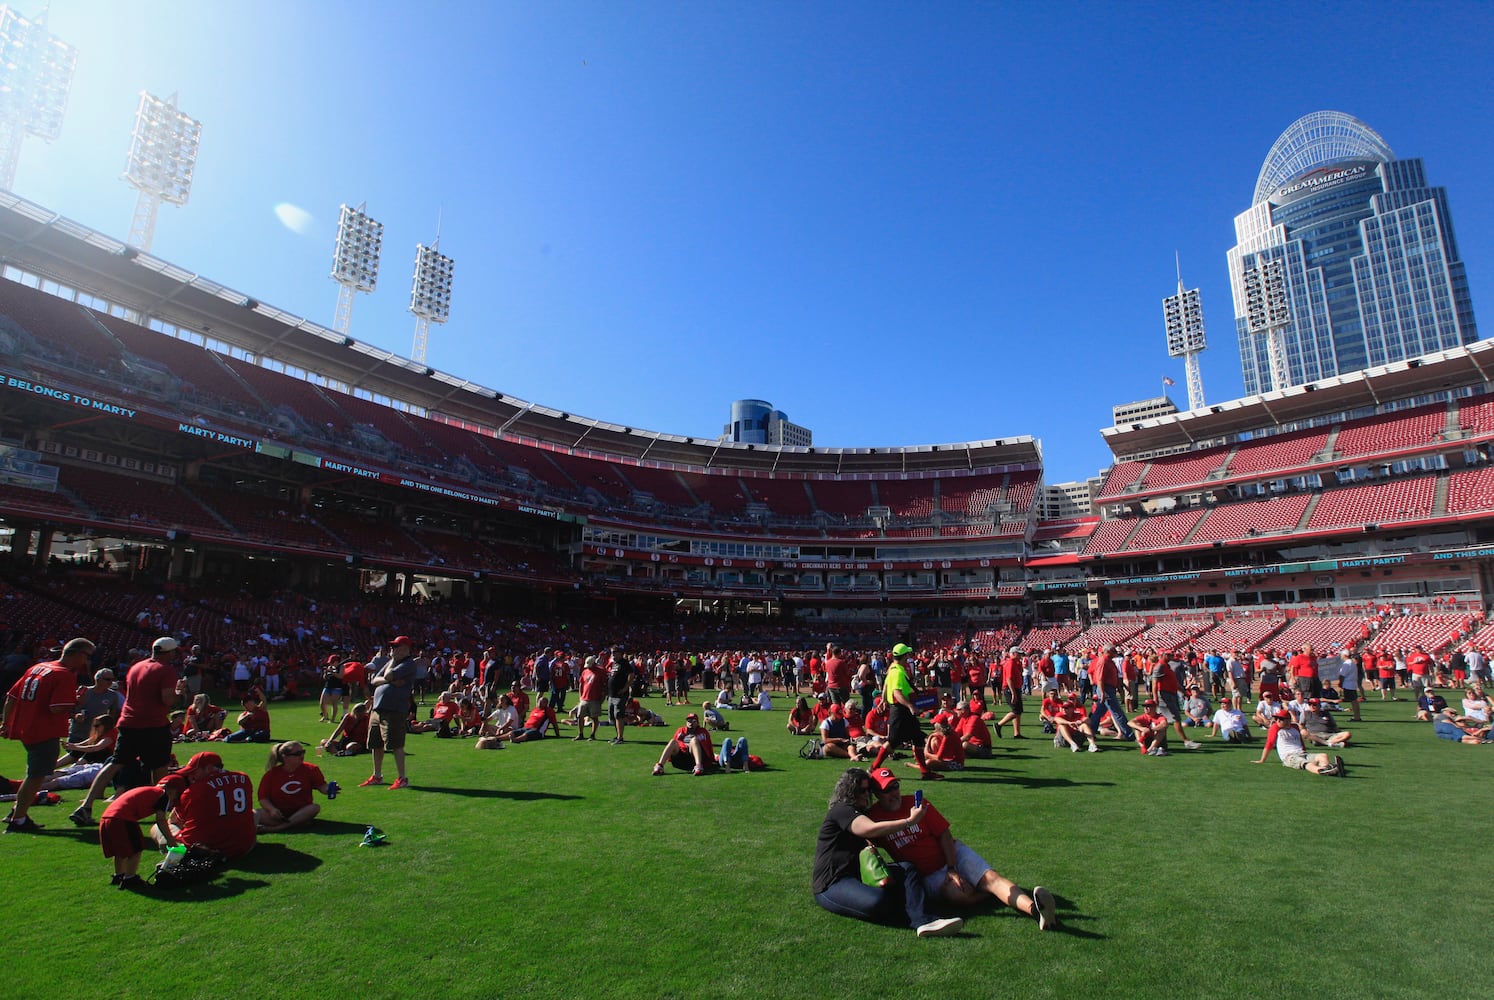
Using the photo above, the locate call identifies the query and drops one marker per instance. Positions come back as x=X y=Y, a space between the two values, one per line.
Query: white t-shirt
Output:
x=764 y=703
x=504 y=715
x=1476 y=709
x=1229 y=720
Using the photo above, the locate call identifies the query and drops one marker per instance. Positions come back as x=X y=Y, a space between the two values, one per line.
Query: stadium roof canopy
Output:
x=1460 y=367
x=1316 y=140
x=44 y=243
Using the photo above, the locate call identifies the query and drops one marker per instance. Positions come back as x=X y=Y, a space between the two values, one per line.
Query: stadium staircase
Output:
x=1439 y=498
x=1330 y=446
x=1312 y=505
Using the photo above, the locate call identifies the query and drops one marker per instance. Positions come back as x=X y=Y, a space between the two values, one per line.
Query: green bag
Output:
x=873 y=867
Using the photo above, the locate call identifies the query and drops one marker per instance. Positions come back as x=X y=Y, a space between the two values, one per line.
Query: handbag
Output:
x=873 y=867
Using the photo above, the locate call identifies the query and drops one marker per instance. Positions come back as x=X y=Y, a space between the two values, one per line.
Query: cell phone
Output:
x=917 y=798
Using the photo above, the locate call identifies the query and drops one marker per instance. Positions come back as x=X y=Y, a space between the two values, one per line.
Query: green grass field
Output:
x=561 y=869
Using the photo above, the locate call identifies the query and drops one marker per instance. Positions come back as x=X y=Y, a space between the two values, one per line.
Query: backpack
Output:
x=813 y=750
x=199 y=864
x=756 y=763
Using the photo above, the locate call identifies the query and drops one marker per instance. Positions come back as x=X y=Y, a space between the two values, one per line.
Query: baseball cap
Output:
x=1149 y=703
x=1283 y=714
x=901 y=649
x=402 y=640
x=883 y=776
x=333 y=658
x=165 y=644
x=837 y=710
x=204 y=757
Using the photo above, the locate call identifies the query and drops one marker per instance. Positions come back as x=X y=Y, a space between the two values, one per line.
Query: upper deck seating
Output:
x=1392 y=431
x=913 y=499
x=727 y=495
x=1470 y=490
x=390 y=423
x=280 y=389
x=1161 y=531
x=1239 y=633
x=1120 y=478
x=1373 y=503
x=1183 y=470
x=1021 y=490
x=1476 y=414
x=1329 y=634
x=606 y=478
x=1108 y=536
x=1240 y=520
x=969 y=496
x=1278 y=453
x=138 y=502
x=199 y=370
x=849 y=498
x=58 y=326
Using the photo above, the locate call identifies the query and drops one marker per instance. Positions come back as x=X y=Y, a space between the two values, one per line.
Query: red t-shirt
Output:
x=444 y=710
x=838 y=672
x=289 y=790
x=137 y=803
x=593 y=684
x=1418 y=663
x=354 y=673
x=972 y=729
x=1145 y=721
x=1302 y=665
x=145 y=684
x=699 y=736
x=258 y=719
x=947 y=748
x=38 y=691
x=219 y=812
x=919 y=843
x=1011 y=673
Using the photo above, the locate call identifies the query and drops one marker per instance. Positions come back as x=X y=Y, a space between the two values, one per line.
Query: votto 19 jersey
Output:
x=219 y=812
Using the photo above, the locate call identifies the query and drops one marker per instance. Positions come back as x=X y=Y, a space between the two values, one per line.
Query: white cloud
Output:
x=294 y=217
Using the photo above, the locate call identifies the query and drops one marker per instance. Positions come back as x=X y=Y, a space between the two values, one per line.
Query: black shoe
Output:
x=115 y=879
x=23 y=825
x=1338 y=764
x=132 y=883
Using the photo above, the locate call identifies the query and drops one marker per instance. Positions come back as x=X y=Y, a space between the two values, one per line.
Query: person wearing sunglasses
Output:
x=837 y=883
x=285 y=790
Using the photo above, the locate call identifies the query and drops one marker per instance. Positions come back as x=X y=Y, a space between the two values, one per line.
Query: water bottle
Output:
x=174 y=857
x=332 y=789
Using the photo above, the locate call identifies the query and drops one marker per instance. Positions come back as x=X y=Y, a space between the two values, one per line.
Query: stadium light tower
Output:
x=1183 y=313
x=36 y=73
x=163 y=154
x=355 y=263
x=1268 y=314
x=430 y=297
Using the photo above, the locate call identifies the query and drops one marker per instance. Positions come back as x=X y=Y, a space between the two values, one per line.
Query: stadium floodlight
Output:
x=1183 y=314
x=1268 y=313
x=430 y=297
x=36 y=73
x=163 y=154
x=355 y=262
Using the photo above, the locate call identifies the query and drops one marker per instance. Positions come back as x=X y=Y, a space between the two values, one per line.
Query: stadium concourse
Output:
x=165 y=434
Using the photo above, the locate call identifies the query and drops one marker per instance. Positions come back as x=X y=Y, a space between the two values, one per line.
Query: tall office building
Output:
x=754 y=421
x=1346 y=260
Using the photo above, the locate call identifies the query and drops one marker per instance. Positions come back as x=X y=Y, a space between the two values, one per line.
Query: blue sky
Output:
x=900 y=223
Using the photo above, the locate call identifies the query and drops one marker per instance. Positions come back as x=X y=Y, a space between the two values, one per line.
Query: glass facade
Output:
x=1370 y=268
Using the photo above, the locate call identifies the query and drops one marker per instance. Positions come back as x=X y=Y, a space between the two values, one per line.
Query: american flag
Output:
x=1167 y=381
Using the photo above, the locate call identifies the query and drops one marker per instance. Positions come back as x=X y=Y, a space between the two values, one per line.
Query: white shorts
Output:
x=971 y=866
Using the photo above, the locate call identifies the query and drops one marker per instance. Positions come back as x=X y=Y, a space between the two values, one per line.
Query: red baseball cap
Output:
x=883 y=776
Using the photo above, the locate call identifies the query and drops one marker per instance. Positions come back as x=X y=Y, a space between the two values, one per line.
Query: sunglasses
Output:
x=294 y=753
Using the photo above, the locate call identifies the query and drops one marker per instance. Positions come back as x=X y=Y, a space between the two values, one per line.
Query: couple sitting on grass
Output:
x=690 y=750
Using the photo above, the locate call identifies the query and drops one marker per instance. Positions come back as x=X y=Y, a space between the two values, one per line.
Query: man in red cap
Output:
x=38 y=712
x=1151 y=730
x=216 y=809
x=689 y=750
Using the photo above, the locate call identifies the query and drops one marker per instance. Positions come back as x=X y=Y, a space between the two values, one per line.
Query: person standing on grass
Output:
x=1011 y=692
x=144 y=744
x=1105 y=681
x=390 y=711
x=950 y=870
x=119 y=829
x=902 y=721
x=837 y=884
x=593 y=688
x=619 y=687
x=1166 y=689
x=38 y=713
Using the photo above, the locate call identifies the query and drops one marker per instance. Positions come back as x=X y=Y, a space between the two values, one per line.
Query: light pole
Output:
x=163 y=154
x=1268 y=313
x=355 y=262
x=430 y=296
x=1183 y=314
x=36 y=73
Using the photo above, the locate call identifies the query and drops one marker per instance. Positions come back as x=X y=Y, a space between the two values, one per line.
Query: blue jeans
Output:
x=1111 y=700
x=733 y=756
x=850 y=897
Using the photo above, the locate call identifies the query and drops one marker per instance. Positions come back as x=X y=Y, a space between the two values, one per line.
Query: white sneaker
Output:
x=1093 y=748
x=1047 y=909
x=946 y=927
x=1058 y=741
x=1191 y=745
x=1075 y=748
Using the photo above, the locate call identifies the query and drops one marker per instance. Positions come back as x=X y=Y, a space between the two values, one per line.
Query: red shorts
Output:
x=120 y=838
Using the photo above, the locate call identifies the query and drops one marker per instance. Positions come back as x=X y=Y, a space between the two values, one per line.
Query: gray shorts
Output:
x=589 y=710
x=617 y=709
x=1296 y=761
x=1169 y=706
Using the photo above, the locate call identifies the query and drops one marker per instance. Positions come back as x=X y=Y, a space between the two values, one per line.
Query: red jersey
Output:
x=289 y=790
x=137 y=804
x=40 y=690
x=1011 y=673
x=971 y=729
x=354 y=673
x=1419 y=663
x=444 y=710
x=684 y=736
x=917 y=844
x=218 y=812
x=593 y=684
x=1302 y=665
x=145 y=685
x=255 y=719
x=876 y=721
x=947 y=748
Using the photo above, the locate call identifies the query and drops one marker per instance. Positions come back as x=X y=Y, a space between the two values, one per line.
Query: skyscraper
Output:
x=1345 y=260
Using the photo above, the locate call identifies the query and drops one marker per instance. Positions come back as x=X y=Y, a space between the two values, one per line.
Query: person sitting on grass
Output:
x=254 y=721
x=215 y=809
x=103 y=733
x=734 y=755
x=837 y=883
x=1151 y=730
x=943 y=750
x=203 y=719
x=1449 y=725
x=950 y=870
x=1196 y=710
x=1265 y=712
x=540 y=722
x=1319 y=728
x=351 y=735
x=1477 y=707
x=835 y=735
x=1229 y=724
x=285 y=789
x=1286 y=739
x=1072 y=721
x=689 y=750
x=446 y=714
x=119 y=828
x=500 y=725
x=1429 y=705
x=713 y=719
x=972 y=731
x=801 y=719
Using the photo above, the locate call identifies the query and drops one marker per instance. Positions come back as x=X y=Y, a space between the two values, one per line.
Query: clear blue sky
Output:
x=901 y=223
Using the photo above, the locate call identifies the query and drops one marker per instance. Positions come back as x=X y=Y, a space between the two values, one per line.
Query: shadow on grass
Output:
x=323 y=828
x=1028 y=781
x=272 y=858
x=495 y=793
x=204 y=892
x=1067 y=916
